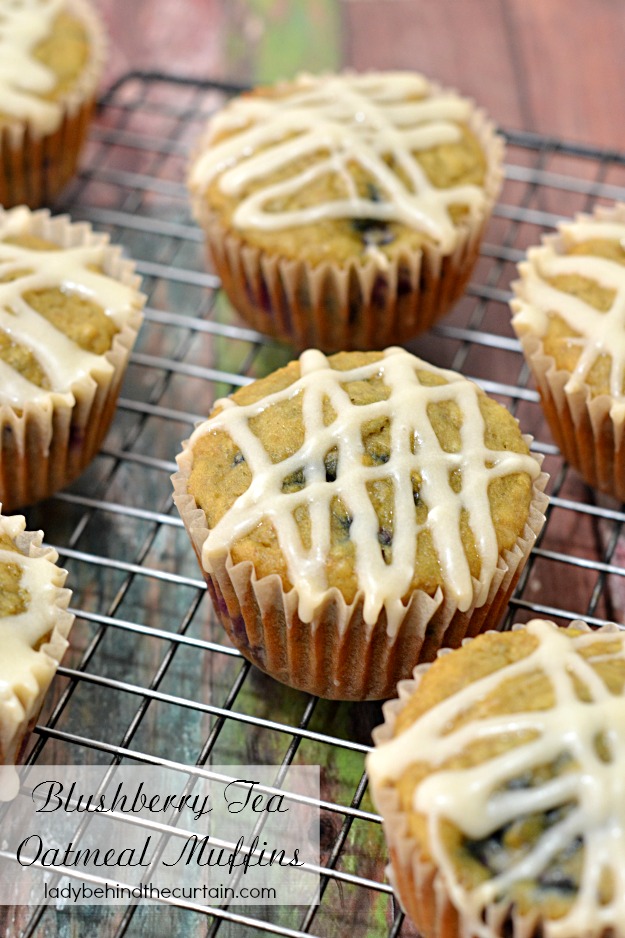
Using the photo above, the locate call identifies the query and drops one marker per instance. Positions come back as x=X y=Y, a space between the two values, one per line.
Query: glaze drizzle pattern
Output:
x=68 y=268
x=319 y=128
x=414 y=447
x=476 y=801
x=599 y=334
x=26 y=663
x=23 y=79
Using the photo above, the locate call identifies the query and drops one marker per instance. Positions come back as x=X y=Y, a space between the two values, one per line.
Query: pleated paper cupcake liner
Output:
x=588 y=429
x=34 y=165
x=338 y=655
x=47 y=443
x=419 y=885
x=19 y=715
x=359 y=305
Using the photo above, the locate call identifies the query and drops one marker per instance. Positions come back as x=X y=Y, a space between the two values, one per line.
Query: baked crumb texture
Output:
x=354 y=513
x=569 y=313
x=499 y=775
x=345 y=211
x=34 y=626
x=52 y=54
x=70 y=309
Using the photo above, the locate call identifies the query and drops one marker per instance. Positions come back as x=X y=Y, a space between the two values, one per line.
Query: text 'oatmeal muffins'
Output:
x=70 y=308
x=569 y=313
x=352 y=514
x=34 y=625
x=51 y=58
x=499 y=776
x=345 y=211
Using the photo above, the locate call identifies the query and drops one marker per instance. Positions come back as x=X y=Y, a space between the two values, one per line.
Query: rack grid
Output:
x=150 y=676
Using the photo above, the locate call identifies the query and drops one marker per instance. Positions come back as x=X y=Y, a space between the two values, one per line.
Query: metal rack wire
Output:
x=150 y=676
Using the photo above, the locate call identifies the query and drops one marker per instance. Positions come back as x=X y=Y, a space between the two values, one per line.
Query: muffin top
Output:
x=343 y=166
x=374 y=473
x=32 y=606
x=60 y=309
x=47 y=50
x=572 y=295
x=508 y=759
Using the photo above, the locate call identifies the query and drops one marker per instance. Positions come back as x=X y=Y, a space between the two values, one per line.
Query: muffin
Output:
x=52 y=54
x=353 y=514
x=499 y=777
x=346 y=211
x=70 y=309
x=34 y=625
x=569 y=315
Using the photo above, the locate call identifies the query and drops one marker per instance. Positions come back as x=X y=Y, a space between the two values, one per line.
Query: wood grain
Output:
x=572 y=67
x=462 y=45
x=553 y=68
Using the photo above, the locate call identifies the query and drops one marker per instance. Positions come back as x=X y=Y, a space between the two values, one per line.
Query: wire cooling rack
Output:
x=150 y=675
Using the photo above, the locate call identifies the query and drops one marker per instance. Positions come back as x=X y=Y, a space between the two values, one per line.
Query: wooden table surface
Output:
x=550 y=66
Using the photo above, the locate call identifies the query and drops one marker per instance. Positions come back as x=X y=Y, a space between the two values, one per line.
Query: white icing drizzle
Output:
x=383 y=584
x=23 y=80
x=24 y=671
x=600 y=333
x=351 y=118
x=470 y=798
x=63 y=361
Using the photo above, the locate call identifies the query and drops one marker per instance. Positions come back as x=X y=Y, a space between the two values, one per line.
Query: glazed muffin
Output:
x=52 y=54
x=353 y=514
x=70 y=309
x=569 y=315
x=346 y=211
x=498 y=774
x=34 y=625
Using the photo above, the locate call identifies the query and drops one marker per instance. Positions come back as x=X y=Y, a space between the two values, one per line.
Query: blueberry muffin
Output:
x=345 y=211
x=498 y=774
x=70 y=309
x=52 y=54
x=34 y=625
x=352 y=514
x=569 y=313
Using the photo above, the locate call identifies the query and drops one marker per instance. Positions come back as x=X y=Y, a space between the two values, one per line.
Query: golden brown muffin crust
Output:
x=220 y=475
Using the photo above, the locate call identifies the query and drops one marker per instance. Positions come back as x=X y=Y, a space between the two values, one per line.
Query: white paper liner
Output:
x=337 y=655
x=588 y=434
x=43 y=447
x=419 y=886
x=18 y=717
x=360 y=305
x=34 y=164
